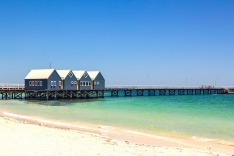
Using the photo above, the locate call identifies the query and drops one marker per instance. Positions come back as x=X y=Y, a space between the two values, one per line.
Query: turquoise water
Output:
x=210 y=116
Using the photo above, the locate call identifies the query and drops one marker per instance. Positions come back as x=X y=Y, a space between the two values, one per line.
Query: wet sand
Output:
x=23 y=135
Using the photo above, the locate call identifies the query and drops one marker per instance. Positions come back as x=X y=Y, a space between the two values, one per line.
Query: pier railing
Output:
x=5 y=86
x=120 y=87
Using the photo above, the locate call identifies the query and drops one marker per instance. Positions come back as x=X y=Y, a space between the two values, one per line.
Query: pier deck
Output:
x=17 y=91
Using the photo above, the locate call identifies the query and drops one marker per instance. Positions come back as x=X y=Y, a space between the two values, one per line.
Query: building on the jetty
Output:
x=83 y=80
x=98 y=81
x=42 y=79
x=68 y=80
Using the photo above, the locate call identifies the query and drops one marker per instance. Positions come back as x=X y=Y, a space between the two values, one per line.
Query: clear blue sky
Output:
x=159 y=42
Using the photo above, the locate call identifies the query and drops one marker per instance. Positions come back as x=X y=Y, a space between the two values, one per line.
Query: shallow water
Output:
x=206 y=116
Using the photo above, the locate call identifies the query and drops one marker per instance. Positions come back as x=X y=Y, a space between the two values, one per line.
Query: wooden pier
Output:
x=116 y=91
x=13 y=91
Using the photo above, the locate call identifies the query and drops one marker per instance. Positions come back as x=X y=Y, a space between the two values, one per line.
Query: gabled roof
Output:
x=78 y=73
x=93 y=74
x=63 y=73
x=39 y=73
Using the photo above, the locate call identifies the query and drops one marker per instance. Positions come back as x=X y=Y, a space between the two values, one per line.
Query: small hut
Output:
x=98 y=81
x=42 y=79
x=83 y=80
x=69 y=81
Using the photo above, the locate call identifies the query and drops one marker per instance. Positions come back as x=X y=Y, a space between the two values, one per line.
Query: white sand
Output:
x=21 y=139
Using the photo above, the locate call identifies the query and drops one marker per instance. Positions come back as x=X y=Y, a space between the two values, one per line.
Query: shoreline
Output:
x=129 y=136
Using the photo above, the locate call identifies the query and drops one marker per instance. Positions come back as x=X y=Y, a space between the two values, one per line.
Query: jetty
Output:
x=17 y=91
x=165 y=90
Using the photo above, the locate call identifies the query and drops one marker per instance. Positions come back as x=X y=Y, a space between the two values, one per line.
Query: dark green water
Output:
x=210 y=116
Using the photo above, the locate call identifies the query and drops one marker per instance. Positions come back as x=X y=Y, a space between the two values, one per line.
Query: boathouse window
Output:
x=82 y=83
x=29 y=83
x=97 y=83
x=87 y=83
x=73 y=83
x=60 y=83
x=54 y=83
x=32 y=83
x=40 y=83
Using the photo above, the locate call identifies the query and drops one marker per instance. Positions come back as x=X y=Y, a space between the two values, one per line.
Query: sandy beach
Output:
x=22 y=135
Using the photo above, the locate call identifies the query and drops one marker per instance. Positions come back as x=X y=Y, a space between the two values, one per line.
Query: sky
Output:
x=132 y=42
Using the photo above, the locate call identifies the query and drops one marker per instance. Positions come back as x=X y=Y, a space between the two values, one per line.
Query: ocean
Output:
x=203 y=116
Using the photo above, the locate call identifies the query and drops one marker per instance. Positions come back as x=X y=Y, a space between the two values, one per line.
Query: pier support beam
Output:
x=140 y=92
x=6 y=95
x=181 y=92
x=100 y=93
x=162 y=92
x=220 y=91
x=172 y=92
x=17 y=95
x=190 y=92
x=206 y=91
x=213 y=91
x=114 y=93
x=83 y=94
x=151 y=92
x=63 y=94
x=197 y=92
x=127 y=92
x=90 y=94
